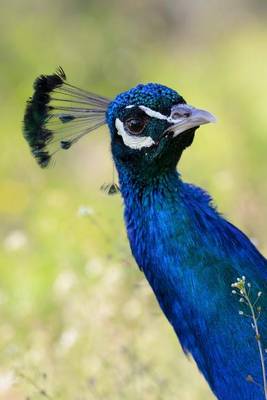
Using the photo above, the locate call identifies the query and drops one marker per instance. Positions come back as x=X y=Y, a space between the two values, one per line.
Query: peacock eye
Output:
x=135 y=126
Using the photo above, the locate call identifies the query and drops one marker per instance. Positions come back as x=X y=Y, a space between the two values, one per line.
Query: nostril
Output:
x=181 y=114
x=187 y=114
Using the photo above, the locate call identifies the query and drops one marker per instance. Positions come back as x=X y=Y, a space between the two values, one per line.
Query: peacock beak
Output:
x=184 y=117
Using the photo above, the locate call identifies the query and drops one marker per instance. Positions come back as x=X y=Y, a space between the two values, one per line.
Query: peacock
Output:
x=208 y=277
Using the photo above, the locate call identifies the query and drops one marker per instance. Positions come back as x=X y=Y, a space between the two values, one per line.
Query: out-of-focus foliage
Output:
x=78 y=321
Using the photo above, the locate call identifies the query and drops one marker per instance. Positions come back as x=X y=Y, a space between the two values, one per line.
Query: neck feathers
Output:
x=142 y=184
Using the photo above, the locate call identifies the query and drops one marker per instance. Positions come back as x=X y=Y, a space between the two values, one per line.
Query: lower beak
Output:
x=184 y=117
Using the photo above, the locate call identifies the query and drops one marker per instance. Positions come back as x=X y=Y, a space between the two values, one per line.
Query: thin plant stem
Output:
x=258 y=339
x=40 y=390
x=241 y=286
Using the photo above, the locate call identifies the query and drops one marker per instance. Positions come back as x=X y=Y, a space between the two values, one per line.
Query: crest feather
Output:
x=59 y=114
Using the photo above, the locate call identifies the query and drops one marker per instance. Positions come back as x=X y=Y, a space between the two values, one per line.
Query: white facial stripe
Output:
x=134 y=142
x=149 y=112
x=152 y=113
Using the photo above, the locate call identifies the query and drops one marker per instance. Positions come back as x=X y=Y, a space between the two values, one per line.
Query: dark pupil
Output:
x=135 y=125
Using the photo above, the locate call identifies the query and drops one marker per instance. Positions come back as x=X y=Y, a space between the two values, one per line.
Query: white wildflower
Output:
x=85 y=211
x=7 y=380
x=68 y=339
x=64 y=282
x=15 y=240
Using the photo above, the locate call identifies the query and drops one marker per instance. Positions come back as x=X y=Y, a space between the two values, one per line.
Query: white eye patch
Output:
x=134 y=142
x=138 y=142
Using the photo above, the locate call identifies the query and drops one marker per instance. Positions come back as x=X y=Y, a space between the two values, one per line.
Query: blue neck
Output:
x=149 y=205
x=190 y=256
x=134 y=184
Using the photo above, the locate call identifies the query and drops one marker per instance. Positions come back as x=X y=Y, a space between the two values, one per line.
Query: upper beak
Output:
x=184 y=117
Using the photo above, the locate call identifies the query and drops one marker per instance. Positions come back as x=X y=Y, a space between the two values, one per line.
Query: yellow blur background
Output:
x=77 y=319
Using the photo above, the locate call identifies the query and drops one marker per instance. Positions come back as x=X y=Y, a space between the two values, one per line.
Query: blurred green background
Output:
x=78 y=320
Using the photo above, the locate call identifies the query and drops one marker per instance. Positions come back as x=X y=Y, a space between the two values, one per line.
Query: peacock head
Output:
x=150 y=125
